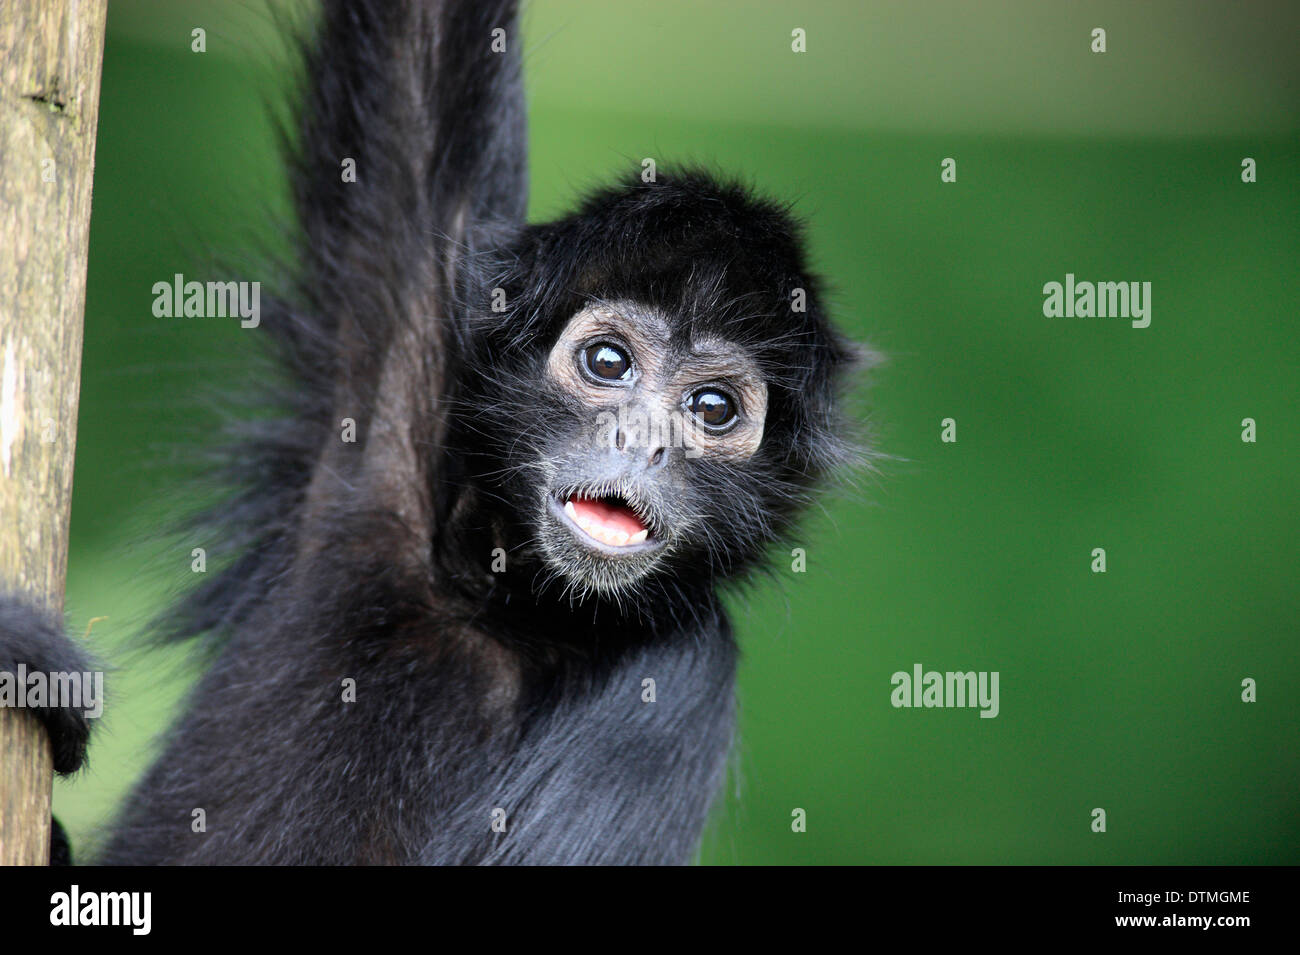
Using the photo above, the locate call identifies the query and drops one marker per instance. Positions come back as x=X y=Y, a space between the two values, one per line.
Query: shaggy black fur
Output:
x=32 y=636
x=371 y=561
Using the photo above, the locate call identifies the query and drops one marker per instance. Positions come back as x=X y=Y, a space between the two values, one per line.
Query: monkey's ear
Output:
x=840 y=444
x=857 y=361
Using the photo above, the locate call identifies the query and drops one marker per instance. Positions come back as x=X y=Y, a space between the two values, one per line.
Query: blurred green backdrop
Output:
x=1119 y=690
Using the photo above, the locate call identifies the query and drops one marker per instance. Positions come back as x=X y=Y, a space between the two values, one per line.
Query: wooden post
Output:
x=51 y=52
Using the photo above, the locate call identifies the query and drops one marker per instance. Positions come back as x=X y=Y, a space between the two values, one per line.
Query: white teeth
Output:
x=606 y=535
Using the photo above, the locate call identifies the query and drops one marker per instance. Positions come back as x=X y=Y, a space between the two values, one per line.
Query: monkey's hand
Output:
x=34 y=651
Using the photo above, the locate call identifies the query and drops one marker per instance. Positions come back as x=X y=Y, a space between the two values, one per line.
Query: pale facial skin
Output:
x=655 y=405
x=658 y=378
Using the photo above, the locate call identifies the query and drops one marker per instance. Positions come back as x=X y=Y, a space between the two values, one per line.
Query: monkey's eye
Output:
x=608 y=363
x=714 y=408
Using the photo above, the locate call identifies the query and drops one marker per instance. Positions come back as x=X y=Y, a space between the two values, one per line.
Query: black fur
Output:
x=32 y=635
x=476 y=691
x=60 y=847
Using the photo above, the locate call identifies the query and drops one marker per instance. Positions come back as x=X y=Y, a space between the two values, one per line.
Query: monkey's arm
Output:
x=408 y=158
x=425 y=101
x=33 y=637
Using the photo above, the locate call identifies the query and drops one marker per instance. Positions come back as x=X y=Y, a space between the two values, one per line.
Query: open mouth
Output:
x=609 y=521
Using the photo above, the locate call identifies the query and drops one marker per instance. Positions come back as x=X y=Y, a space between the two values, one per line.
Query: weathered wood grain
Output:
x=50 y=58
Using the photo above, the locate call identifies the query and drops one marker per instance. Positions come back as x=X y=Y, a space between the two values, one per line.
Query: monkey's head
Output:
x=659 y=395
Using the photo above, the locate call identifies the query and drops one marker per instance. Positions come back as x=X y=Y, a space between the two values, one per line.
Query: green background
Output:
x=1119 y=690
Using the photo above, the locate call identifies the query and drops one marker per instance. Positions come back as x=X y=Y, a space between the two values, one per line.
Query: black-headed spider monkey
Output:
x=438 y=641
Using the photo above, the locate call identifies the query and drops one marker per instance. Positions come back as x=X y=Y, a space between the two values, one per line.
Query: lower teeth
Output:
x=612 y=538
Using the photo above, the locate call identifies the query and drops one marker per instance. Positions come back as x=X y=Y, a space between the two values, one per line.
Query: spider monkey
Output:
x=488 y=629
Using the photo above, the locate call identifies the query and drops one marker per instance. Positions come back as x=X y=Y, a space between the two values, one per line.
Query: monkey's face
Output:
x=661 y=428
x=657 y=400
